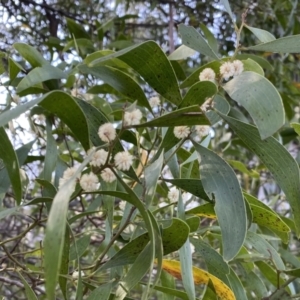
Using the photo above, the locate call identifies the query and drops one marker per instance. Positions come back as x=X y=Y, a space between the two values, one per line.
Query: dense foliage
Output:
x=147 y=175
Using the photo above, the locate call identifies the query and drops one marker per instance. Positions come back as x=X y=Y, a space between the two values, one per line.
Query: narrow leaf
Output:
x=206 y=210
x=228 y=9
x=30 y=295
x=219 y=181
x=30 y=54
x=193 y=186
x=274 y=156
x=261 y=100
x=151 y=63
x=188 y=116
x=38 y=75
x=10 y=160
x=119 y=80
x=289 y=44
x=193 y=39
x=66 y=108
x=237 y=286
x=55 y=231
x=173 y=237
x=268 y=219
x=264 y=248
x=214 y=261
x=263 y=35
x=198 y=93
x=182 y=52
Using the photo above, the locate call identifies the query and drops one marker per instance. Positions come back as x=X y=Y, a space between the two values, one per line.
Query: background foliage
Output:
x=69 y=67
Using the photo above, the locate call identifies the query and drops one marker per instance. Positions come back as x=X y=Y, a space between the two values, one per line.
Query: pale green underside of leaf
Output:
x=289 y=44
x=193 y=39
x=219 y=181
x=277 y=159
x=261 y=100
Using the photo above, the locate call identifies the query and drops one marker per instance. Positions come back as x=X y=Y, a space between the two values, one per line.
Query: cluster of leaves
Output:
x=96 y=247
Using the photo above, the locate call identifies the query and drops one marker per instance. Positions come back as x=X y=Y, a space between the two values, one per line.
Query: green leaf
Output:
x=212 y=41
x=173 y=292
x=81 y=245
x=51 y=153
x=67 y=109
x=10 y=160
x=152 y=64
x=30 y=295
x=135 y=273
x=188 y=116
x=220 y=182
x=289 y=44
x=8 y=115
x=198 y=93
x=38 y=75
x=119 y=81
x=173 y=237
x=7 y=212
x=14 y=69
x=64 y=268
x=228 y=9
x=265 y=64
x=193 y=186
x=296 y=127
x=241 y=167
x=261 y=100
x=206 y=210
x=268 y=219
x=214 y=261
x=269 y=273
x=59 y=103
x=22 y=152
x=55 y=231
x=182 y=52
x=236 y=286
x=193 y=39
x=102 y=292
x=221 y=105
x=293 y=272
x=255 y=284
x=76 y=30
x=30 y=54
x=277 y=159
x=152 y=174
x=263 y=35
x=251 y=65
x=264 y=248
x=193 y=223
x=186 y=266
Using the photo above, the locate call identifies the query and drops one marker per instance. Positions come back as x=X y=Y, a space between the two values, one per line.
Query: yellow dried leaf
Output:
x=200 y=277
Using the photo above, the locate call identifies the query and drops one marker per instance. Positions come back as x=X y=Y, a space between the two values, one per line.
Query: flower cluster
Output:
x=202 y=130
x=68 y=173
x=207 y=74
x=154 y=101
x=132 y=117
x=123 y=160
x=107 y=132
x=108 y=175
x=173 y=194
x=181 y=132
x=99 y=158
x=229 y=69
x=89 y=182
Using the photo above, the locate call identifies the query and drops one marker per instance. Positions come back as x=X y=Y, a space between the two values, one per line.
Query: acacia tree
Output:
x=142 y=174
